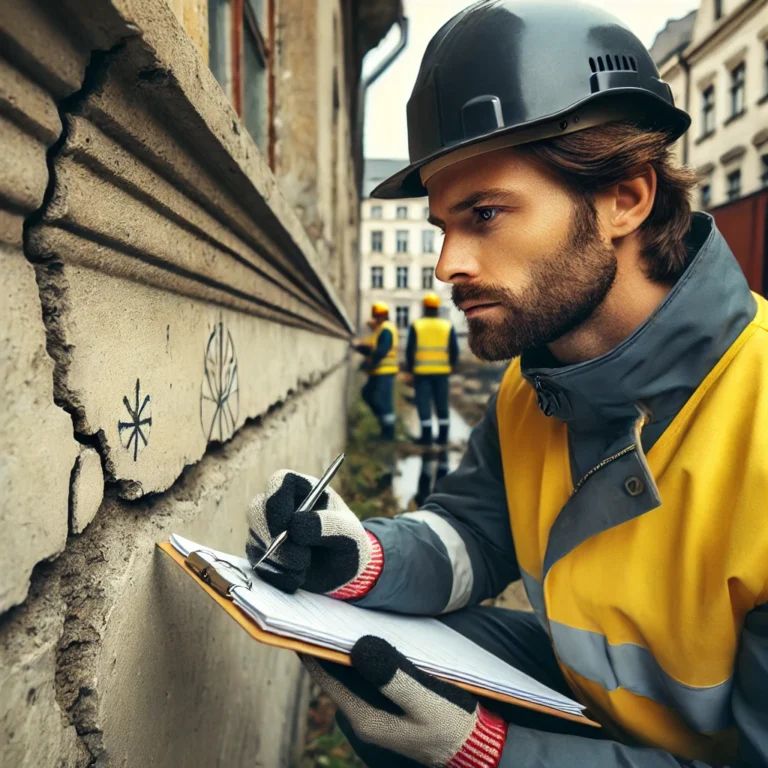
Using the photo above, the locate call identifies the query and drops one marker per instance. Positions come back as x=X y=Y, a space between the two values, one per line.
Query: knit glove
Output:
x=392 y=704
x=327 y=550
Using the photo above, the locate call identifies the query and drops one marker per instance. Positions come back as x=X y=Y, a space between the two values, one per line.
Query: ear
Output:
x=626 y=205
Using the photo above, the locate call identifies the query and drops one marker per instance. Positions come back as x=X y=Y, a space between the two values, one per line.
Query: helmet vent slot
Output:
x=612 y=62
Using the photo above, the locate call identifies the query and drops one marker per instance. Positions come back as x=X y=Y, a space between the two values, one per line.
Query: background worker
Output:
x=381 y=365
x=621 y=471
x=430 y=354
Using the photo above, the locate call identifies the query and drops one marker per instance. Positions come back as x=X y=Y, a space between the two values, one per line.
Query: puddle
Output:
x=415 y=476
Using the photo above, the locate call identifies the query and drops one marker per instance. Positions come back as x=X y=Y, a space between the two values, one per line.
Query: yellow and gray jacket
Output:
x=630 y=493
x=382 y=360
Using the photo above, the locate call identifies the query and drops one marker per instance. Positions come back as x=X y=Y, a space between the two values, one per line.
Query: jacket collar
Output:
x=665 y=359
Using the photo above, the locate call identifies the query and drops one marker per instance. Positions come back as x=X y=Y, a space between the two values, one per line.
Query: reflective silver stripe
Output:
x=426 y=422
x=387 y=418
x=444 y=422
x=463 y=578
x=535 y=592
x=634 y=668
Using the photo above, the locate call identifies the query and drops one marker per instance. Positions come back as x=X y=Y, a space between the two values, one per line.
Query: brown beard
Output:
x=566 y=288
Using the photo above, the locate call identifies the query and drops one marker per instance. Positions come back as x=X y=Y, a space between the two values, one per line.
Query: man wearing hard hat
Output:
x=380 y=362
x=431 y=352
x=621 y=471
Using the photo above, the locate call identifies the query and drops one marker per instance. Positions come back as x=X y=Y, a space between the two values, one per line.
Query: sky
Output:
x=385 y=126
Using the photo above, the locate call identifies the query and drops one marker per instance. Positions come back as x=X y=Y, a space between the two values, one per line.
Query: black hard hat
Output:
x=533 y=68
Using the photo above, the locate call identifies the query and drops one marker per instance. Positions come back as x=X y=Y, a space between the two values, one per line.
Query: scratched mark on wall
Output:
x=220 y=393
x=134 y=434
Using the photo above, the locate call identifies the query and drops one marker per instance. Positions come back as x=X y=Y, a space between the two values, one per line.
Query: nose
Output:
x=457 y=262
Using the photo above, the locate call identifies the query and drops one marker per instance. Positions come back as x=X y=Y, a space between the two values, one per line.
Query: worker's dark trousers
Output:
x=432 y=469
x=517 y=638
x=379 y=394
x=432 y=389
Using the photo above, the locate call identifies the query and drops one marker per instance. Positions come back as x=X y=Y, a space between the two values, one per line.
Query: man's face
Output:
x=526 y=260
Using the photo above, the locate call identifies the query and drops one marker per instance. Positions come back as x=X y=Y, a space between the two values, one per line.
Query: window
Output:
x=428 y=241
x=239 y=59
x=402 y=241
x=402 y=277
x=708 y=110
x=718 y=9
x=377 y=277
x=764 y=174
x=219 y=37
x=401 y=317
x=733 y=184
x=706 y=195
x=427 y=278
x=375 y=211
x=765 y=68
x=377 y=241
x=426 y=211
x=402 y=212
x=738 y=74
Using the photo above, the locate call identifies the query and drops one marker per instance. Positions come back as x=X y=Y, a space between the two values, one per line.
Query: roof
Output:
x=377 y=170
x=673 y=39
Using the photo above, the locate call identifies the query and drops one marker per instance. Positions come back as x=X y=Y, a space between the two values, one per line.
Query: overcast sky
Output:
x=385 y=128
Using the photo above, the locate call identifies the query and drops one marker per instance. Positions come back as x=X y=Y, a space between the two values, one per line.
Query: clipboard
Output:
x=217 y=586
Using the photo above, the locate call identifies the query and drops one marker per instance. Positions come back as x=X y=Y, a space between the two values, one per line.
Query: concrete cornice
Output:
x=185 y=85
x=760 y=138
x=745 y=12
x=733 y=154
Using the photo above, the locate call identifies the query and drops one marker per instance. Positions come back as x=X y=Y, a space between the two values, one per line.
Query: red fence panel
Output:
x=744 y=224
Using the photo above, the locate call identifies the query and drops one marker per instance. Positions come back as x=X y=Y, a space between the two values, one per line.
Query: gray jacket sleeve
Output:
x=526 y=748
x=457 y=550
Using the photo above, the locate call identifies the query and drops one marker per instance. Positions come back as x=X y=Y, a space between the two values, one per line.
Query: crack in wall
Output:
x=52 y=286
x=78 y=645
x=85 y=574
x=81 y=575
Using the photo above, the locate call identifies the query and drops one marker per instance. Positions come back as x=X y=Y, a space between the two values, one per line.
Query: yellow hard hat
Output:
x=379 y=308
x=432 y=300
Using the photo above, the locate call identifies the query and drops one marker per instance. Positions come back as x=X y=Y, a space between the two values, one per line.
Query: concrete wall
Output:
x=173 y=333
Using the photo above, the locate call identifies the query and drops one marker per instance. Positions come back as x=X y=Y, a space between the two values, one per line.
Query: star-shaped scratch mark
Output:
x=137 y=429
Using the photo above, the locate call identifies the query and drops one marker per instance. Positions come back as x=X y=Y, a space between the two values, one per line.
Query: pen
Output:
x=305 y=505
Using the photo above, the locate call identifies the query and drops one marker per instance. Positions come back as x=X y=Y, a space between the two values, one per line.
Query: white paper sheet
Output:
x=428 y=643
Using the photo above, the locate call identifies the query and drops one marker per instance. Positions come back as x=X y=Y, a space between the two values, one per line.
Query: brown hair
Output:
x=597 y=158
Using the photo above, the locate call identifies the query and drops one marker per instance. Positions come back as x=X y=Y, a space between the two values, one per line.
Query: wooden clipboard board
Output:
x=299 y=646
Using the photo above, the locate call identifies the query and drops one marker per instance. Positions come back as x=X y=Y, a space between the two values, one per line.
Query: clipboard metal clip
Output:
x=208 y=572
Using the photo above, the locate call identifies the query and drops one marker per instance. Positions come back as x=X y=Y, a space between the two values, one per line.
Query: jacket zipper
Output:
x=638 y=428
x=603 y=463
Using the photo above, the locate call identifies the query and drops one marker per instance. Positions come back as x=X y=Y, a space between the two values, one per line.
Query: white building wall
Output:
x=737 y=142
x=415 y=259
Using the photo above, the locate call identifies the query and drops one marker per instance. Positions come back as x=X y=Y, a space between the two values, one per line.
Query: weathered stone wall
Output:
x=174 y=330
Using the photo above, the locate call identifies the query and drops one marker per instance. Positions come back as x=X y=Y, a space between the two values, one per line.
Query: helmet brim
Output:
x=620 y=104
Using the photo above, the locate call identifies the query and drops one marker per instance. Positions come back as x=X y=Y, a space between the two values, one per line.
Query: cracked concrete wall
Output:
x=173 y=334
x=117 y=659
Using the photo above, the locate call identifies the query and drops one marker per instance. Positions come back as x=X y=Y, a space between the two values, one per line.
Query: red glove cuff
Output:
x=363 y=583
x=485 y=744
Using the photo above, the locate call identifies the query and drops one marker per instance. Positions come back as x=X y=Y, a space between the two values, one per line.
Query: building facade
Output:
x=399 y=249
x=178 y=209
x=716 y=62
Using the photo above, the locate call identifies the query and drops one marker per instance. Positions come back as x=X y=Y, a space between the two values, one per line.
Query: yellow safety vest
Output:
x=388 y=364
x=645 y=616
x=432 y=339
